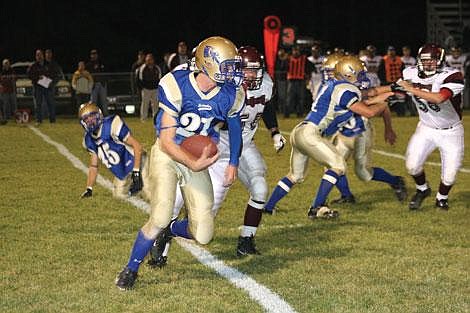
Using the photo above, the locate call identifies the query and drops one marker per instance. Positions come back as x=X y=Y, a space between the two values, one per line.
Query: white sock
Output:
x=441 y=197
x=422 y=187
x=247 y=231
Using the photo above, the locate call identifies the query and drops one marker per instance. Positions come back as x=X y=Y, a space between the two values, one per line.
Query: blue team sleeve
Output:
x=235 y=138
x=347 y=99
x=124 y=132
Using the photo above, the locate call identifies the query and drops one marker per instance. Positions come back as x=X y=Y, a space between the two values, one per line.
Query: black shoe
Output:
x=418 y=198
x=246 y=245
x=322 y=212
x=442 y=204
x=159 y=251
x=400 y=189
x=346 y=199
x=126 y=279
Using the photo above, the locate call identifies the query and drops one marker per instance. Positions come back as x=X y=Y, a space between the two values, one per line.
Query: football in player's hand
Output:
x=196 y=143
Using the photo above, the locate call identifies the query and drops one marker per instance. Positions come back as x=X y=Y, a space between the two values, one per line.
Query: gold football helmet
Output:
x=352 y=69
x=90 y=116
x=328 y=65
x=218 y=58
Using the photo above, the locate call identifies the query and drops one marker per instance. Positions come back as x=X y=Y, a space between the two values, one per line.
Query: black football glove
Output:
x=136 y=184
x=395 y=87
x=88 y=193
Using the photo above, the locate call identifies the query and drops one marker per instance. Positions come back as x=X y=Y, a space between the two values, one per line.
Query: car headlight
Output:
x=111 y=99
x=130 y=109
x=21 y=90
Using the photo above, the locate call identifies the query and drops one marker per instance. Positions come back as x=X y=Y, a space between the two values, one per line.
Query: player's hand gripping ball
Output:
x=196 y=143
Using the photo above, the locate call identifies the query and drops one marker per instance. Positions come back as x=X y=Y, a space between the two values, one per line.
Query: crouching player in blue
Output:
x=337 y=102
x=355 y=138
x=109 y=140
x=191 y=102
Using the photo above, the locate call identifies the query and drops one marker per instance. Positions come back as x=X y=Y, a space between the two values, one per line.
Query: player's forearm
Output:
x=174 y=151
x=387 y=118
x=235 y=139
x=432 y=97
x=374 y=91
x=368 y=111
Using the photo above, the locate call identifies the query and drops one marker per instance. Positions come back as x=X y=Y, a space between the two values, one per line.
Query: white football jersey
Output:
x=457 y=63
x=443 y=115
x=373 y=63
x=408 y=61
x=317 y=62
x=251 y=113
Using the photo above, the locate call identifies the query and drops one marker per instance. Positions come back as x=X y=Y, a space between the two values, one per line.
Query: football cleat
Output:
x=442 y=204
x=345 y=199
x=126 y=279
x=322 y=212
x=246 y=245
x=159 y=251
x=418 y=198
x=400 y=189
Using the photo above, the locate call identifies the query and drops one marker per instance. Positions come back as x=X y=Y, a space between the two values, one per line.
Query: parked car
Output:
x=24 y=90
x=121 y=99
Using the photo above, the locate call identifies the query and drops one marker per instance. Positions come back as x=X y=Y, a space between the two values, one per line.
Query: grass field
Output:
x=61 y=254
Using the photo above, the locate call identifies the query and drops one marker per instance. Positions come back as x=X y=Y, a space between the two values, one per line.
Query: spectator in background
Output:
x=164 y=63
x=372 y=62
x=408 y=61
x=41 y=78
x=389 y=72
x=82 y=83
x=148 y=77
x=56 y=73
x=140 y=60
x=316 y=59
x=298 y=74
x=458 y=61
x=280 y=80
x=406 y=58
x=181 y=56
x=99 y=91
x=7 y=90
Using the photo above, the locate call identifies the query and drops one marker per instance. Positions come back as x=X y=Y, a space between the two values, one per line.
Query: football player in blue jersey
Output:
x=191 y=102
x=337 y=102
x=355 y=138
x=109 y=140
x=252 y=170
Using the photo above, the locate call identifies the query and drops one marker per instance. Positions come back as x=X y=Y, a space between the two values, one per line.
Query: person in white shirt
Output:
x=407 y=58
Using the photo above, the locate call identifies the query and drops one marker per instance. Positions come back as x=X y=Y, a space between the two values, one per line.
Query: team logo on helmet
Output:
x=209 y=52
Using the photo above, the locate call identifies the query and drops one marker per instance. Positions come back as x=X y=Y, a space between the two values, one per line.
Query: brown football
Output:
x=196 y=143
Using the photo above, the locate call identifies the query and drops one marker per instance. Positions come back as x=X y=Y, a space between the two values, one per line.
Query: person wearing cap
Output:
x=389 y=72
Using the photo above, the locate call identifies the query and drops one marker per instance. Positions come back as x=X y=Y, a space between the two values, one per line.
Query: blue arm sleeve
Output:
x=235 y=138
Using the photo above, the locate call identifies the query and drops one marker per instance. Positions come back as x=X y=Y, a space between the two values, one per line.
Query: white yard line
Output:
x=269 y=300
x=398 y=156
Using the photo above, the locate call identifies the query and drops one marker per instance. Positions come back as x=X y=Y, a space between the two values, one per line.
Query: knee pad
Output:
x=203 y=229
x=258 y=188
x=413 y=169
x=449 y=178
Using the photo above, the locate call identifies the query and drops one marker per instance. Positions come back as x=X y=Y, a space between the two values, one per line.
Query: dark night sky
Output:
x=118 y=29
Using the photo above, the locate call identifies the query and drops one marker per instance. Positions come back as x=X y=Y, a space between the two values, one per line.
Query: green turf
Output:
x=61 y=254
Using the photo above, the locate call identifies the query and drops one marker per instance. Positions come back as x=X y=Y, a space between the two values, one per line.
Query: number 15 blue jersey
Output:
x=109 y=145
